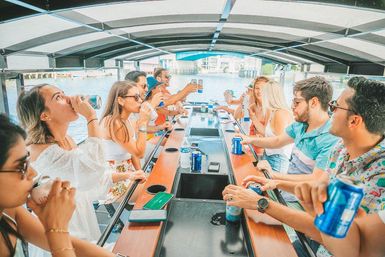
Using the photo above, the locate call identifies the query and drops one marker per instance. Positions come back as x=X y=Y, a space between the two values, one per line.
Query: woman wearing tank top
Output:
x=278 y=117
x=123 y=149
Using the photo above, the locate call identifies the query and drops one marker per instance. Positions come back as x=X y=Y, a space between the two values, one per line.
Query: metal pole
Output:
x=4 y=108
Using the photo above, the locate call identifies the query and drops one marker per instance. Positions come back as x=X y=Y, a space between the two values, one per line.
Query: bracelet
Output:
x=57 y=230
x=91 y=121
x=62 y=250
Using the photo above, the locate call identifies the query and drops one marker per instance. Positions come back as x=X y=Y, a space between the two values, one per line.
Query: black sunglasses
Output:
x=137 y=97
x=333 y=106
x=23 y=169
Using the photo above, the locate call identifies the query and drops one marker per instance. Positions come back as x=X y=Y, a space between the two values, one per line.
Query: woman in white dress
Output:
x=46 y=112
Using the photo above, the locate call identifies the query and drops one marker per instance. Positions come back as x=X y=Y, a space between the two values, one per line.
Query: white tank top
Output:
x=114 y=151
x=286 y=150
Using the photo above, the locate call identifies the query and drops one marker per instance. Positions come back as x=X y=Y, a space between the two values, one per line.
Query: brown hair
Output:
x=158 y=72
x=315 y=87
x=30 y=105
x=114 y=109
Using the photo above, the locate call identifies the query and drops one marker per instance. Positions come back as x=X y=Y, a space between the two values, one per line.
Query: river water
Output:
x=214 y=86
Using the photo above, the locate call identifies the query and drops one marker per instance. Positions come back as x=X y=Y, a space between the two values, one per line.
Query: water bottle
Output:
x=185 y=154
x=211 y=106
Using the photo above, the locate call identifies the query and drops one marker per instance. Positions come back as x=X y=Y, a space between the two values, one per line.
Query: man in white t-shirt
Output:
x=366 y=236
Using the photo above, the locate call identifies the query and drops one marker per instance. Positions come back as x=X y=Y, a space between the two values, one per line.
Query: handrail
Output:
x=106 y=233
x=301 y=236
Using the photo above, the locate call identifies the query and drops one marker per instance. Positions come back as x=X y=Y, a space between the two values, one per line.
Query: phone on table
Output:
x=158 y=201
x=214 y=167
x=147 y=215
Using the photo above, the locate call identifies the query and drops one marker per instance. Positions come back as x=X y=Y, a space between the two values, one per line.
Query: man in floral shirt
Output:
x=359 y=119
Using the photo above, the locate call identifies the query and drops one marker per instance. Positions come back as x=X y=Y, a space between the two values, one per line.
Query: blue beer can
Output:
x=161 y=104
x=196 y=161
x=344 y=198
x=95 y=101
x=256 y=188
x=236 y=147
x=233 y=213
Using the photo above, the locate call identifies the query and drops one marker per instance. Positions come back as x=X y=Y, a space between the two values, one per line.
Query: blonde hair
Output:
x=30 y=106
x=273 y=97
x=114 y=109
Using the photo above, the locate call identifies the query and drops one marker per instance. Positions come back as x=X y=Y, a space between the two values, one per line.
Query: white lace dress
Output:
x=86 y=169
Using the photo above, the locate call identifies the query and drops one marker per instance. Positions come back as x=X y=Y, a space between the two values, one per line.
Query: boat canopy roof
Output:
x=71 y=33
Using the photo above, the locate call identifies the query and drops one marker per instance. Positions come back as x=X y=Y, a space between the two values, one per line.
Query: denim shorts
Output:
x=277 y=162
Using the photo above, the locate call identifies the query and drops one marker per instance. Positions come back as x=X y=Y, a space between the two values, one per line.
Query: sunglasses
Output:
x=333 y=106
x=23 y=169
x=136 y=97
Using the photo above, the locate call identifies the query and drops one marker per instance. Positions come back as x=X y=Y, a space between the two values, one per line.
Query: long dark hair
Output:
x=9 y=134
x=113 y=109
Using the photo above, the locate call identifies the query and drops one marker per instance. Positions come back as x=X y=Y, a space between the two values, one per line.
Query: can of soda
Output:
x=161 y=104
x=233 y=213
x=200 y=82
x=256 y=188
x=196 y=161
x=236 y=147
x=344 y=198
x=95 y=101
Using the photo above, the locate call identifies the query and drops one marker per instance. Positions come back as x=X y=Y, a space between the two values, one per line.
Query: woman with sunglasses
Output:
x=17 y=225
x=46 y=113
x=122 y=148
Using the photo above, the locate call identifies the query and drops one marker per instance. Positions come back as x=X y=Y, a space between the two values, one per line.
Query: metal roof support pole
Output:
x=19 y=83
x=119 y=65
x=307 y=69
x=282 y=76
x=137 y=65
x=4 y=108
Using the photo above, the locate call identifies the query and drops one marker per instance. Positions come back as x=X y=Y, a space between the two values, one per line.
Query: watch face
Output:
x=263 y=203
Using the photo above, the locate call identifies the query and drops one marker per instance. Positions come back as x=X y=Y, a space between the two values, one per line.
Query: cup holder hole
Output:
x=154 y=189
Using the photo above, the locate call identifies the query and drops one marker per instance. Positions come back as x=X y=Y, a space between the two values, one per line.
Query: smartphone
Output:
x=158 y=201
x=147 y=215
x=214 y=167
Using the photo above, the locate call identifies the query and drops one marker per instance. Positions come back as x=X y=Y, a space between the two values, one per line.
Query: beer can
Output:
x=233 y=213
x=196 y=161
x=236 y=147
x=256 y=188
x=95 y=101
x=161 y=104
x=344 y=198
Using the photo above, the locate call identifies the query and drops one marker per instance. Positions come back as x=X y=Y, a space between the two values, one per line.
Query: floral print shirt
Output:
x=368 y=168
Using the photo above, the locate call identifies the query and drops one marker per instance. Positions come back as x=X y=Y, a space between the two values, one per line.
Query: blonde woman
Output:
x=46 y=113
x=279 y=117
x=123 y=148
x=258 y=115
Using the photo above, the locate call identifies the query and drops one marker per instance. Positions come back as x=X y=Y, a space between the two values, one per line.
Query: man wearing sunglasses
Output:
x=163 y=76
x=359 y=119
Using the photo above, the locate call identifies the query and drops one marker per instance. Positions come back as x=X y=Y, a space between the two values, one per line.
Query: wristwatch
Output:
x=262 y=205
